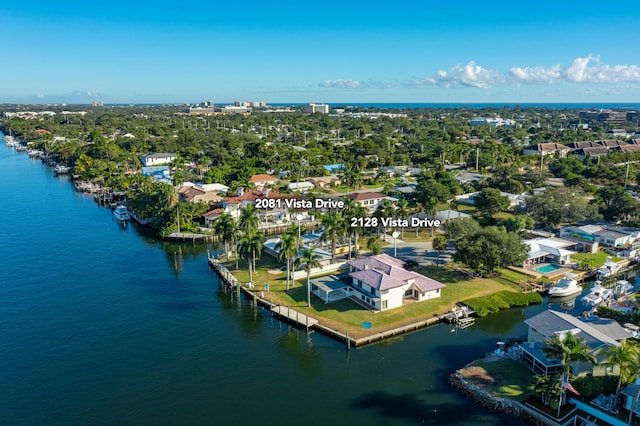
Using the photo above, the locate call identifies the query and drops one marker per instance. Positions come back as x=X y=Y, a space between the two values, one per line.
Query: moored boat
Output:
x=121 y=213
x=567 y=286
x=608 y=268
x=597 y=295
x=62 y=170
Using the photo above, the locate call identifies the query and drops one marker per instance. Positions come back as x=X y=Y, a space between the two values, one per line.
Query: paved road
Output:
x=422 y=252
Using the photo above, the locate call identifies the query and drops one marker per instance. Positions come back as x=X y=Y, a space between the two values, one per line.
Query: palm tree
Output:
x=625 y=357
x=373 y=244
x=250 y=244
x=567 y=349
x=289 y=247
x=225 y=227
x=546 y=386
x=249 y=218
x=333 y=225
x=308 y=260
x=439 y=244
x=353 y=209
x=402 y=211
x=385 y=209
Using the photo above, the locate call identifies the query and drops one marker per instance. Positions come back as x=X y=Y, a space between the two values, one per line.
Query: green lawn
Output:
x=466 y=208
x=597 y=259
x=502 y=215
x=343 y=188
x=511 y=379
x=346 y=315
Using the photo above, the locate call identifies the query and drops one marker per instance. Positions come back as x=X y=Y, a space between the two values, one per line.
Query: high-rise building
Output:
x=321 y=108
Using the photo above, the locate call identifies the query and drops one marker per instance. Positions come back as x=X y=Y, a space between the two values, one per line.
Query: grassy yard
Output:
x=345 y=315
x=597 y=259
x=424 y=235
x=505 y=378
x=343 y=188
x=502 y=215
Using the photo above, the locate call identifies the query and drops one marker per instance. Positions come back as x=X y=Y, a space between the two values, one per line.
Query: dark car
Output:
x=410 y=264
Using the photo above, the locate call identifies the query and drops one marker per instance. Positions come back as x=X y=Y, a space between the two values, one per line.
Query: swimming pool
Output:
x=547 y=268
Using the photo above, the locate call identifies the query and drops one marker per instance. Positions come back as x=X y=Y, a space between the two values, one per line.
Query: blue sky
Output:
x=327 y=51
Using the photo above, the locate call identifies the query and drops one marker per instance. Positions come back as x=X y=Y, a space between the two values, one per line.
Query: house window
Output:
x=362 y=296
x=385 y=291
x=384 y=304
x=408 y=293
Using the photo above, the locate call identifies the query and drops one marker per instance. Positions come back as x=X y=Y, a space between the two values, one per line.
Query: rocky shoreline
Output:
x=459 y=381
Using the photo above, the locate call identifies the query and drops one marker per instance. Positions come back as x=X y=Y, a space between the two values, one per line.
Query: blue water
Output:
x=547 y=268
x=101 y=324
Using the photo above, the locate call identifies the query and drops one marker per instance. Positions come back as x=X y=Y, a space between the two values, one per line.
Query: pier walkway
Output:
x=298 y=319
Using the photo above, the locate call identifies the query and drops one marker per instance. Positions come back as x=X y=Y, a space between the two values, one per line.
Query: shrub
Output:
x=493 y=303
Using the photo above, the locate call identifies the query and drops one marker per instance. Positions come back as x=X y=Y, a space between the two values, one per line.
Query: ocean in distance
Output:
x=102 y=324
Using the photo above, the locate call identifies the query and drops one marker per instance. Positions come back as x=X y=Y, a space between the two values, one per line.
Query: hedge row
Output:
x=486 y=305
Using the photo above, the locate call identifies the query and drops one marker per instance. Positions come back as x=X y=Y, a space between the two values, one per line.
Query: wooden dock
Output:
x=293 y=316
x=285 y=313
x=298 y=319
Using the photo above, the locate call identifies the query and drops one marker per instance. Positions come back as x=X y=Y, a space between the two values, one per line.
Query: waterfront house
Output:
x=158 y=173
x=196 y=194
x=549 y=250
x=599 y=335
x=278 y=214
x=630 y=393
x=607 y=235
x=158 y=159
x=381 y=282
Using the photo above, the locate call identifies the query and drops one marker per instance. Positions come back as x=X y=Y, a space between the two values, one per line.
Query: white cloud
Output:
x=581 y=70
x=39 y=95
x=341 y=84
x=535 y=74
x=471 y=75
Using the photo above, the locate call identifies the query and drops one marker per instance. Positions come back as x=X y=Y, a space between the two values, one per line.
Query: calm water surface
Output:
x=101 y=324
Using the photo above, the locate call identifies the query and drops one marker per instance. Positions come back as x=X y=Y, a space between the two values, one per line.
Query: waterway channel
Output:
x=103 y=324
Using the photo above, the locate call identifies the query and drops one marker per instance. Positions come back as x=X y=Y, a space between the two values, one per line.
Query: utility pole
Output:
x=477 y=158
x=626 y=176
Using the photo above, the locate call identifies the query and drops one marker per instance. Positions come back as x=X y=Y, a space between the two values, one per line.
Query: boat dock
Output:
x=298 y=319
x=293 y=316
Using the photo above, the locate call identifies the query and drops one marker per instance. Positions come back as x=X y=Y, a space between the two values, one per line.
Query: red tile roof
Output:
x=361 y=196
x=263 y=178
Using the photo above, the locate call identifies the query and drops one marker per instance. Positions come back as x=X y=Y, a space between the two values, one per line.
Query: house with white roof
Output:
x=611 y=236
x=549 y=250
x=301 y=186
x=158 y=158
x=599 y=335
x=381 y=282
x=470 y=198
x=370 y=200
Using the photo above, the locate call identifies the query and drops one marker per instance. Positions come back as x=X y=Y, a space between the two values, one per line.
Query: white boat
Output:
x=623 y=287
x=608 y=268
x=565 y=287
x=62 y=170
x=632 y=329
x=597 y=295
x=121 y=213
x=10 y=141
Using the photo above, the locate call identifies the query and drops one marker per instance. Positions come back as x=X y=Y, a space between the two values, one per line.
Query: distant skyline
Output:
x=330 y=51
